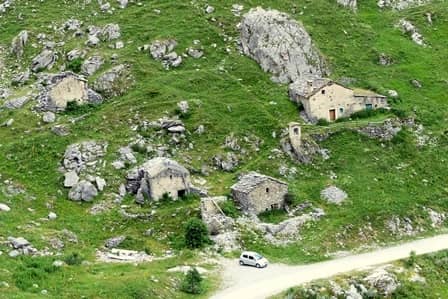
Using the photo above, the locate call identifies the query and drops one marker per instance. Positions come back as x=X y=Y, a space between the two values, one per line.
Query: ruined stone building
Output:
x=156 y=177
x=324 y=99
x=256 y=193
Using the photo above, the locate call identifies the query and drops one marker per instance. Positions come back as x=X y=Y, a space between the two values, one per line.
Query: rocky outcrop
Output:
x=212 y=215
x=64 y=88
x=18 y=43
x=385 y=282
x=114 y=82
x=333 y=194
x=400 y=4
x=409 y=29
x=84 y=157
x=91 y=65
x=16 y=103
x=281 y=46
x=83 y=191
x=110 y=32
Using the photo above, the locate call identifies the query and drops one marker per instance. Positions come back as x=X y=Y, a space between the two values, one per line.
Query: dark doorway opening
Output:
x=181 y=193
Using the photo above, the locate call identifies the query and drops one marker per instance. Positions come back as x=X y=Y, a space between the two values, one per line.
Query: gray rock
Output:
x=227 y=163
x=18 y=43
x=163 y=50
x=114 y=82
x=281 y=46
x=18 y=243
x=58 y=263
x=386 y=283
x=71 y=179
x=110 y=32
x=123 y=3
x=16 y=103
x=384 y=59
x=118 y=164
x=72 y=25
x=14 y=253
x=83 y=191
x=195 y=53
x=84 y=157
x=333 y=195
x=400 y=4
x=44 y=60
x=352 y=4
x=100 y=183
x=60 y=130
x=92 y=41
x=176 y=129
x=209 y=9
x=49 y=117
x=64 y=88
x=114 y=242
x=4 y=208
x=52 y=216
x=21 y=78
x=74 y=54
x=416 y=83
x=91 y=65
x=7 y=123
x=392 y=93
x=409 y=29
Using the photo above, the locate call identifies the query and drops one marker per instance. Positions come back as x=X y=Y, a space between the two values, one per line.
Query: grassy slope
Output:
x=32 y=158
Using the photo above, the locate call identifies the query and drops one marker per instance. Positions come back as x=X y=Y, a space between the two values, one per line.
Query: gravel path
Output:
x=251 y=283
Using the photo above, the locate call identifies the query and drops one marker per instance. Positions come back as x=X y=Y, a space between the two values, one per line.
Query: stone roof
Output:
x=250 y=181
x=358 y=92
x=306 y=88
x=157 y=165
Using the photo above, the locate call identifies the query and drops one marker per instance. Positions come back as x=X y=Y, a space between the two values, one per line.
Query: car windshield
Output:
x=258 y=257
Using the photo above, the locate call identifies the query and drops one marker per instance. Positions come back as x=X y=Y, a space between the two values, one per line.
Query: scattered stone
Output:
x=16 y=103
x=212 y=215
x=52 y=216
x=209 y=9
x=71 y=179
x=114 y=82
x=352 y=4
x=21 y=78
x=237 y=9
x=7 y=123
x=416 y=83
x=386 y=283
x=75 y=54
x=100 y=183
x=185 y=269
x=281 y=46
x=227 y=163
x=49 y=117
x=83 y=191
x=392 y=93
x=333 y=195
x=408 y=28
x=384 y=59
x=72 y=25
x=44 y=60
x=18 y=43
x=4 y=208
x=164 y=51
x=114 y=242
x=400 y=4
x=195 y=53
x=123 y=3
x=18 y=243
x=123 y=256
x=91 y=65
x=60 y=130
x=84 y=157
x=110 y=32
x=58 y=263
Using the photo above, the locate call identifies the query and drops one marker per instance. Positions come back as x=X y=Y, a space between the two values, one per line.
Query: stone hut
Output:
x=256 y=193
x=157 y=177
x=324 y=99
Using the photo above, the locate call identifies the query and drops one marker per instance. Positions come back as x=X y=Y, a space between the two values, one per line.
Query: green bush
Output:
x=75 y=65
x=229 y=208
x=74 y=259
x=322 y=122
x=368 y=113
x=73 y=108
x=289 y=198
x=410 y=262
x=192 y=283
x=196 y=234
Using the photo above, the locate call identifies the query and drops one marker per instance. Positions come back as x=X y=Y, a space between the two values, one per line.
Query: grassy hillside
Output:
x=228 y=93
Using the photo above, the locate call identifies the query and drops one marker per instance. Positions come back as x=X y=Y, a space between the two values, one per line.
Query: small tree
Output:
x=196 y=234
x=192 y=282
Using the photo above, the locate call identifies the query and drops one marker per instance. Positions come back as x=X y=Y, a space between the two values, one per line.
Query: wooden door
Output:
x=332 y=114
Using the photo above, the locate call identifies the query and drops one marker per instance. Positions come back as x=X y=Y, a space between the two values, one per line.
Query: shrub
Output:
x=166 y=197
x=192 y=282
x=75 y=65
x=74 y=108
x=289 y=198
x=33 y=271
x=412 y=259
x=322 y=122
x=196 y=234
x=229 y=208
x=74 y=259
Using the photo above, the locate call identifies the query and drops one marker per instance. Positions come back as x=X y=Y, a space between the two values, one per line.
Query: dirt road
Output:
x=252 y=283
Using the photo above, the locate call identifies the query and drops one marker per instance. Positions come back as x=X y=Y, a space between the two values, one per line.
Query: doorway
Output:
x=332 y=114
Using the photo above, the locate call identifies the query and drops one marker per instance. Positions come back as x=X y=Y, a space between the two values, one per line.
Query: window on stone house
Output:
x=296 y=131
x=171 y=177
x=323 y=91
x=267 y=190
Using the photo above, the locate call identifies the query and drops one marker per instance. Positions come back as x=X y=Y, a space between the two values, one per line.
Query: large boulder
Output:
x=333 y=195
x=18 y=43
x=385 y=282
x=281 y=46
x=114 y=82
x=16 y=103
x=83 y=191
x=64 y=88
x=110 y=32
x=91 y=65
x=44 y=60
x=163 y=50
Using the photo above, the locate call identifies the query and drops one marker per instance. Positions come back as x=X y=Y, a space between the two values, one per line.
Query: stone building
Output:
x=324 y=99
x=256 y=193
x=295 y=136
x=157 y=177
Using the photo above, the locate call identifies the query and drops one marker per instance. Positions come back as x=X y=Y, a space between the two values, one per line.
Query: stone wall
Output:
x=168 y=182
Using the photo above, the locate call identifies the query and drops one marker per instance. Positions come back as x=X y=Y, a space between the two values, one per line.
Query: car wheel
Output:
x=257 y=265
x=241 y=263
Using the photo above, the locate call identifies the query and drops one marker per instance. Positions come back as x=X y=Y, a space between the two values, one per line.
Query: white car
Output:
x=251 y=258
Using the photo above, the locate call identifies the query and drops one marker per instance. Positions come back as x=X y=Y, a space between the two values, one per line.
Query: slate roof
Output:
x=157 y=165
x=250 y=181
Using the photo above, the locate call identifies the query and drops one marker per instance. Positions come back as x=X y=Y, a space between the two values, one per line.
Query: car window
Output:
x=251 y=257
x=258 y=257
x=245 y=256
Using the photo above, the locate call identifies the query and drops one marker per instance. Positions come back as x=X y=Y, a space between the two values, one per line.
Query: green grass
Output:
x=227 y=93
